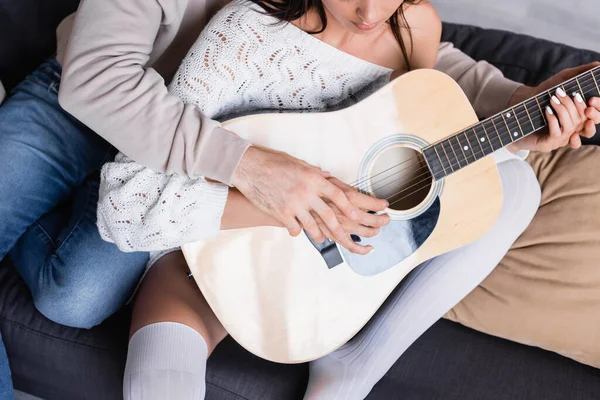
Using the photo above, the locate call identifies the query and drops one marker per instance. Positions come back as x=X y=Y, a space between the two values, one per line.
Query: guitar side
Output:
x=275 y=294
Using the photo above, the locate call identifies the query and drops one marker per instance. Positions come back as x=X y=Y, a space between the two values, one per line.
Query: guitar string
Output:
x=450 y=164
x=427 y=180
x=515 y=124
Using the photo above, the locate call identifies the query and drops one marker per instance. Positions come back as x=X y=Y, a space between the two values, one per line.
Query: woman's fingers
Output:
x=330 y=219
x=570 y=120
x=562 y=113
x=311 y=227
x=593 y=111
x=589 y=129
x=360 y=200
x=575 y=141
x=593 y=114
x=292 y=225
x=553 y=124
x=328 y=215
x=580 y=105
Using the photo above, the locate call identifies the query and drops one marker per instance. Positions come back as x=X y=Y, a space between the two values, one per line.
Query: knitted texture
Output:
x=244 y=62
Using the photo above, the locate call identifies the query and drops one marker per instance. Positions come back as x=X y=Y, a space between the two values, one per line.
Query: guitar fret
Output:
x=507 y=126
x=469 y=146
x=518 y=123
x=587 y=85
x=571 y=88
x=446 y=172
x=580 y=89
x=457 y=163
x=465 y=159
x=484 y=141
x=434 y=162
x=596 y=82
x=486 y=134
x=496 y=129
x=536 y=120
x=452 y=163
x=477 y=142
x=507 y=133
x=542 y=113
x=529 y=116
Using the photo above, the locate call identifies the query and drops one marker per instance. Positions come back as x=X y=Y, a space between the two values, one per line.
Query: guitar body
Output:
x=288 y=300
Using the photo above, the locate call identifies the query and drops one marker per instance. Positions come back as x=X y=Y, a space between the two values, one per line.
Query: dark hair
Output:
x=291 y=10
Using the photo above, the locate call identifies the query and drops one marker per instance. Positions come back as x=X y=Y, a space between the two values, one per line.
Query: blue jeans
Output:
x=6 y=388
x=49 y=169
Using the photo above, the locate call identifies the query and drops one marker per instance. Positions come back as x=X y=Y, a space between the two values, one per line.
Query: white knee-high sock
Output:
x=425 y=296
x=165 y=361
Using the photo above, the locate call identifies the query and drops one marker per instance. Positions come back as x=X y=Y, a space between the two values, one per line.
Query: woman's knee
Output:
x=168 y=295
x=165 y=361
x=521 y=191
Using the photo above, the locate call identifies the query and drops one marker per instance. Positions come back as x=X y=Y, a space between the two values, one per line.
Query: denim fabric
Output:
x=49 y=164
x=46 y=158
x=6 y=387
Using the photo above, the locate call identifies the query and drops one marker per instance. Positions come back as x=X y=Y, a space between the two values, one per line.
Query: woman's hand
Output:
x=367 y=225
x=568 y=118
x=301 y=196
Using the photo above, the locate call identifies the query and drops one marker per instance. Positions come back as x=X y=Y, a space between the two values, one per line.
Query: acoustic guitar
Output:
x=289 y=299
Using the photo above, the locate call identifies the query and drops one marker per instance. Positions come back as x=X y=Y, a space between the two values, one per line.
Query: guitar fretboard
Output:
x=466 y=147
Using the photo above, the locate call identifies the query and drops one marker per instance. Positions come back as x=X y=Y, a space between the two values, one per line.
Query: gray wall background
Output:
x=573 y=22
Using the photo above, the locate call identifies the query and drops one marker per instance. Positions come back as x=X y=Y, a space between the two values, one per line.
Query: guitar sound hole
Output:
x=400 y=175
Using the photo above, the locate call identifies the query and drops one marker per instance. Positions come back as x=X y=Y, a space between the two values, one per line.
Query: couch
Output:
x=448 y=362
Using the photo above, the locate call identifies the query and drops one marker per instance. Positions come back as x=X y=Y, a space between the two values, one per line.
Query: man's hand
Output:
x=302 y=196
x=568 y=119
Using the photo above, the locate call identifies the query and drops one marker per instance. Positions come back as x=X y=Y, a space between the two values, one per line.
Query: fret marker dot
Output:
x=466 y=147
x=516 y=134
x=483 y=139
x=508 y=115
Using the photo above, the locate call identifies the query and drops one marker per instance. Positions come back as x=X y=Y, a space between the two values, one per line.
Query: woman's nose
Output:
x=367 y=11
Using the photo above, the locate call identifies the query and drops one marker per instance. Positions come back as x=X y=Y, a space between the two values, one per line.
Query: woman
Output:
x=173 y=329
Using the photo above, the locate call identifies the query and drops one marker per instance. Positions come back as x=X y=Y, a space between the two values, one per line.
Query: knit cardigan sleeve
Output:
x=143 y=210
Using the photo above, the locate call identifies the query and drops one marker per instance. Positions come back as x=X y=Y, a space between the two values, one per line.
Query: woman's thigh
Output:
x=168 y=295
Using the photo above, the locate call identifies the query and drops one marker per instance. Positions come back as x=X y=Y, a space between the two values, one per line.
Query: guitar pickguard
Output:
x=394 y=243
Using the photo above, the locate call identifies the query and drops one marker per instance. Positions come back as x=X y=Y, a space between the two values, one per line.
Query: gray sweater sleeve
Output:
x=486 y=88
x=107 y=85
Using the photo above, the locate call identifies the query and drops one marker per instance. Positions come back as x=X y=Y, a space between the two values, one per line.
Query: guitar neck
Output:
x=480 y=140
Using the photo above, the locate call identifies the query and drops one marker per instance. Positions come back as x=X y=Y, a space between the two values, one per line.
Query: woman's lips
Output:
x=365 y=27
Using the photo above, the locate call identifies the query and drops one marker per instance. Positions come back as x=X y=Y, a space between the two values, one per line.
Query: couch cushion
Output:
x=54 y=361
x=546 y=290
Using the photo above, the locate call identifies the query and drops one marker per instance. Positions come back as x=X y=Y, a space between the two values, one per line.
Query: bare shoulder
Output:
x=422 y=14
x=421 y=33
x=426 y=30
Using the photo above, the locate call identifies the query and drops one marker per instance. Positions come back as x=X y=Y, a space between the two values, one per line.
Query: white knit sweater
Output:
x=243 y=62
